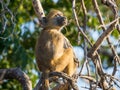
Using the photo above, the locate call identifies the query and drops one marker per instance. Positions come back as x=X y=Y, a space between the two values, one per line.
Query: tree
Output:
x=17 y=41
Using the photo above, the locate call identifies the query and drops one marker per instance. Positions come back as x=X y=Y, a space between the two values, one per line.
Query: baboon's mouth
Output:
x=64 y=22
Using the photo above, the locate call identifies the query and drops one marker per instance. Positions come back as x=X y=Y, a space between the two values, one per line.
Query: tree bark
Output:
x=18 y=74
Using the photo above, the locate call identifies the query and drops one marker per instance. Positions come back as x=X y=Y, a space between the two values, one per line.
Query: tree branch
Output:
x=100 y=39
x=65 y=76
x=113 y=6
x=38 y=10
x=96 y=62
x=70 y=80
x=18 y=74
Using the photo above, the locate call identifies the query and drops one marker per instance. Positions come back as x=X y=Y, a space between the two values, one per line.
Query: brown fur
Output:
x=53 y=50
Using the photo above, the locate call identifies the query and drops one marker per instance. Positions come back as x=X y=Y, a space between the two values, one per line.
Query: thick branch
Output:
x=113 y=6
x=38 y=8
x=100 y=40
x=59 y=74
x=18 y=74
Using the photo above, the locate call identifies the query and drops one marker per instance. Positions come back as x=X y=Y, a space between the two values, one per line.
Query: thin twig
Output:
x=96 y=62
x=77 y=23
x=102 y=22
x=5 y=22
x=65 y=76
x=112 y=6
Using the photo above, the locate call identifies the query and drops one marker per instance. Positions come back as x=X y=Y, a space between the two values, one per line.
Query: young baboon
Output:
x=53 y=50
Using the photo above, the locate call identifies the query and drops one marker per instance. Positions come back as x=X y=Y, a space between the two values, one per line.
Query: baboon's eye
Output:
x=57 y=15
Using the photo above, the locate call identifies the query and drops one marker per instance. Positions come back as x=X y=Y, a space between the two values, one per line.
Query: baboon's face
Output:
x=59 y=20
x=55 y=19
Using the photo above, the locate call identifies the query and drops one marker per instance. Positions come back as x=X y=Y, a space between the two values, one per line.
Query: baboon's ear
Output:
x=43 y=21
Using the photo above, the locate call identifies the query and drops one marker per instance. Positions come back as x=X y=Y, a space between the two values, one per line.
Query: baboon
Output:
x=53 y=50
